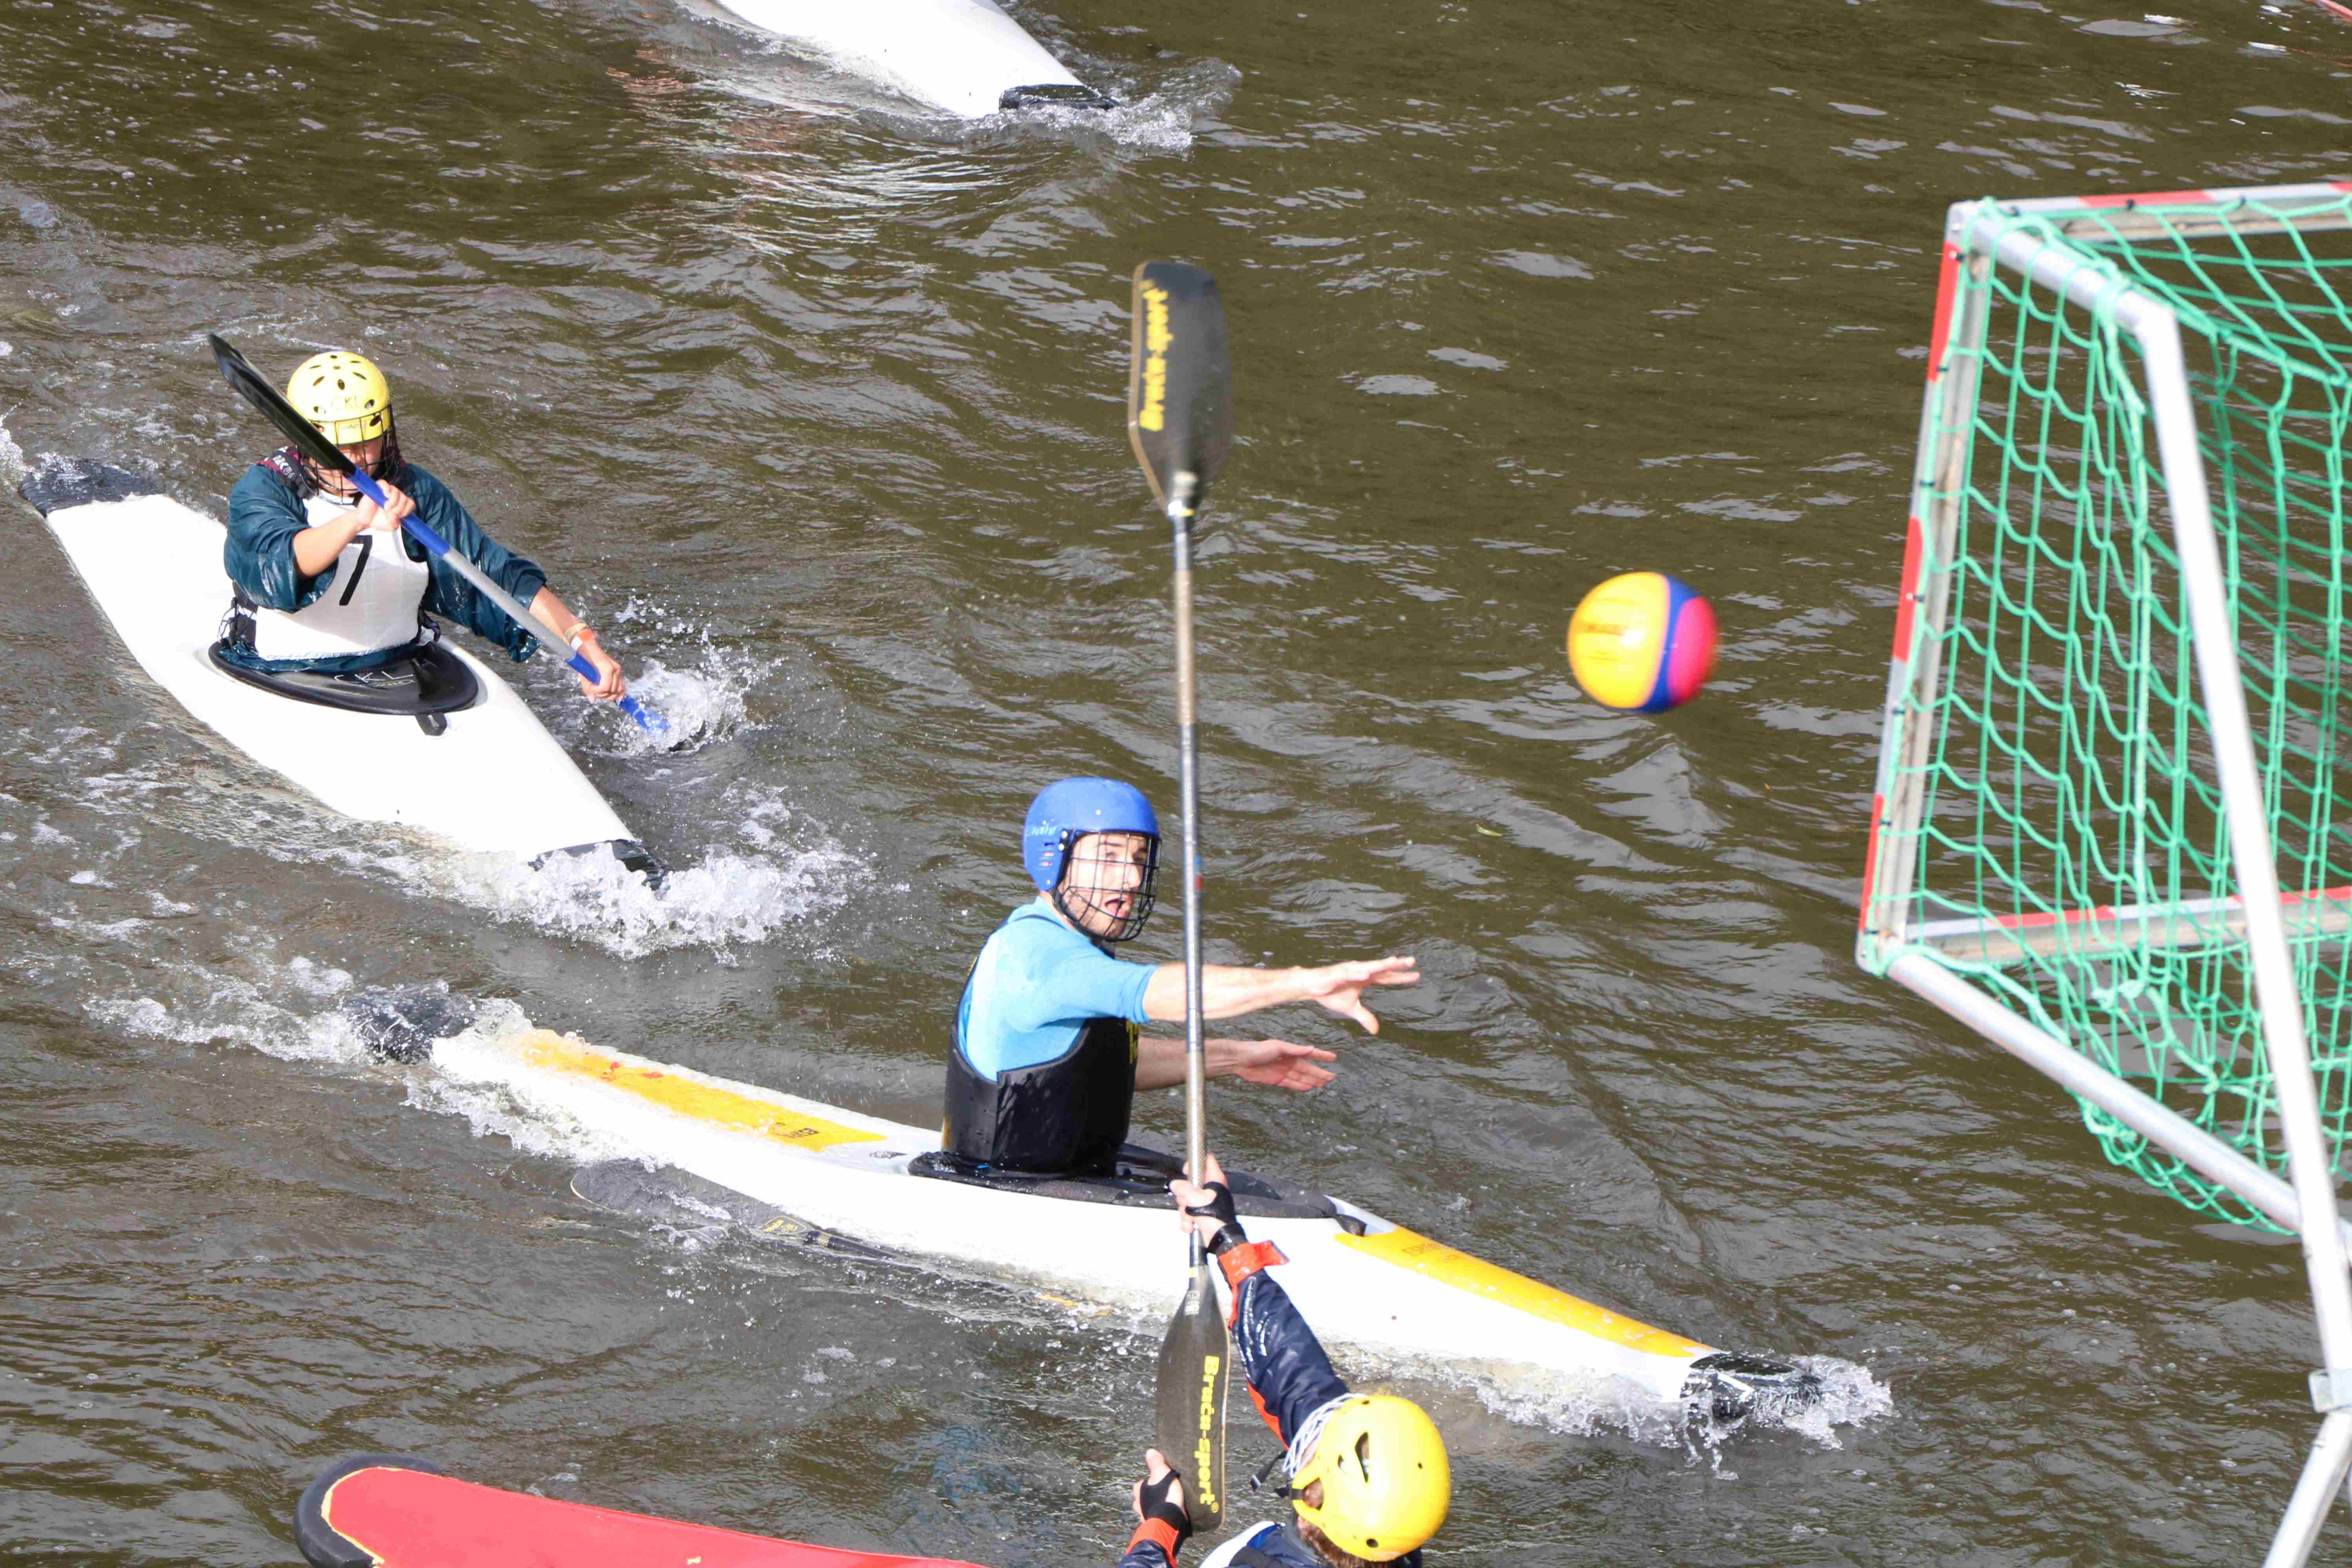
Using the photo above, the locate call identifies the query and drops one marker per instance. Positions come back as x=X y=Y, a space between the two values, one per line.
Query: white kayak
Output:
x=966 y=56
x=816 y=1173
x=485 y=776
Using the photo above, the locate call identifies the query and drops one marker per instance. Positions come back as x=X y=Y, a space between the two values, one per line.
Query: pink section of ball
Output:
x=1690 y=650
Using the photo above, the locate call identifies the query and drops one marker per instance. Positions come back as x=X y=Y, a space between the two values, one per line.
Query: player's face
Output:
x=1104 y=884
x=364 y=454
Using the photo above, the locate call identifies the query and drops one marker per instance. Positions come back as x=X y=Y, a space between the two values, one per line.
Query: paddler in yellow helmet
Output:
x=323 y=580
x=1369 y=1478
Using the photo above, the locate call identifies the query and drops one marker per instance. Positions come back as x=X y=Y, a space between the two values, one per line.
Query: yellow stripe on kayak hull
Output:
x=703 y=1102
x=1436 y=1261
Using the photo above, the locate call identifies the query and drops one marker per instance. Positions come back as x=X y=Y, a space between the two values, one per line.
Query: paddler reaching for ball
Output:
x=1369 y=1478
x=321 y=579
x=1047 y=1057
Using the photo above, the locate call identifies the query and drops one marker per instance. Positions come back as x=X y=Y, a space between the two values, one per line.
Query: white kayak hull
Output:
x=1406 y=1299
x=966 y=56
x=494 y=779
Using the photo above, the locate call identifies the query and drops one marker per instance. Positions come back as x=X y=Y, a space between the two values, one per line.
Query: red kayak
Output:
x=389 y=1511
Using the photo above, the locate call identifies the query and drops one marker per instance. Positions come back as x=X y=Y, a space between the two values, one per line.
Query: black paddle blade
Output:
x=1189 y=1418
x=1180 y=384
x=246 y=383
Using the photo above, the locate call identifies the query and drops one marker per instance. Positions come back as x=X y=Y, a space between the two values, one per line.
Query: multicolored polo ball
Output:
x=1642 y=641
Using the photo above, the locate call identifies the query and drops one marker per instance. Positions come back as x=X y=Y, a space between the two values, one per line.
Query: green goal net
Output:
x=2047 y=823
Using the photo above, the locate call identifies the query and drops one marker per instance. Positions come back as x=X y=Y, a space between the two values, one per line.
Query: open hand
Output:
x=1341 y=986
x=1277 y=1064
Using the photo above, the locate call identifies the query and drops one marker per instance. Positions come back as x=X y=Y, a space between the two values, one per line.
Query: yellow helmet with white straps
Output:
x=1386 y=1482
x=343 y=395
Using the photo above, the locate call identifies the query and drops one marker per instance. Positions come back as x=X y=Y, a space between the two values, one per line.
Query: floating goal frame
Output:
x=2032 y=239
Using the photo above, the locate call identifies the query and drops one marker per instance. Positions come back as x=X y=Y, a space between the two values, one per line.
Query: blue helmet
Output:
x=1064 y=811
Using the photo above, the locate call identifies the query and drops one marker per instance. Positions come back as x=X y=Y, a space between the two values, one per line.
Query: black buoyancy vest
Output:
x=1068 y=1115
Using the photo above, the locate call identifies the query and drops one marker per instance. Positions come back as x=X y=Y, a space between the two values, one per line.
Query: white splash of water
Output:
x=1572 y=1406
x=12 y=459
x=1850 y=1396
x=698 y=705
x=723 y=898
x=211 y=1006
x=1161 y=120
x=491 y=1110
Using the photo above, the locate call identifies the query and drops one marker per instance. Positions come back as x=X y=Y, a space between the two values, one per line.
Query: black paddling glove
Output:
x=1219 y=1207
x=1158 y=1505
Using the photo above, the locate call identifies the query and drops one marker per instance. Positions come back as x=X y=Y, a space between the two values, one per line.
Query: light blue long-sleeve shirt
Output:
x=1036 y=983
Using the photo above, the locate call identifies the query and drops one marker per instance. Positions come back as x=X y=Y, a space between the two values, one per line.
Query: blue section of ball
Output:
x=1663 y=693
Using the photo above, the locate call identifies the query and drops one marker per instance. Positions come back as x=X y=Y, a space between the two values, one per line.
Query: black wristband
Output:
x=1219 y=1207
x=1158 y=1505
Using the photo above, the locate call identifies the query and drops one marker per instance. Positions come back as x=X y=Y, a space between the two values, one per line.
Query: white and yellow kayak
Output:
x=818 y=1173
x=485 y=776
x=966 y=56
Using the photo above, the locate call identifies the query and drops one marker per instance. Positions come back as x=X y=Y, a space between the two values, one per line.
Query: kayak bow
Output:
x=394 y=1510
x=963 y=56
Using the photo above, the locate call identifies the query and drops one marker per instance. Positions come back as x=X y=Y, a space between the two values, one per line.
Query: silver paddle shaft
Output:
x=1196 y=1060
x=515 y=608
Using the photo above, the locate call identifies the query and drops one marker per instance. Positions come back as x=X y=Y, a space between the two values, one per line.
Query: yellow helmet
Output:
x=343 y=395
x=1386 y=1483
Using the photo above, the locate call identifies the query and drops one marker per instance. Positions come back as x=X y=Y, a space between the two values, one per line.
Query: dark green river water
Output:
x=815 y=405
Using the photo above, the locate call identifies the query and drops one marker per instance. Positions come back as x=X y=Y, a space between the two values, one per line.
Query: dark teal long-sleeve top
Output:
x=265 y=512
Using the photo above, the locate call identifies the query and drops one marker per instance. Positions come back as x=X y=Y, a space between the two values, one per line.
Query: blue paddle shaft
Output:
x=439 y=548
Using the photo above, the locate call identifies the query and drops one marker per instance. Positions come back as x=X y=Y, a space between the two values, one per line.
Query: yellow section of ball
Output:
x=1617 y=638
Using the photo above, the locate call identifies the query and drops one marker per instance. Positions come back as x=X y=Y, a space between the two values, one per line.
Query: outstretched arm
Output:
x=1228 y=991
x=1279 y=1064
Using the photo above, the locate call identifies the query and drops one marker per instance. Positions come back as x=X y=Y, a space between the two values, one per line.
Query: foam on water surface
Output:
x=12 y=459
x=762 y=868
x=1851 y=1398
x=1161 y=119
x=725 y=896
x=700 y=704
x=273 y=1014
x=696 y=708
